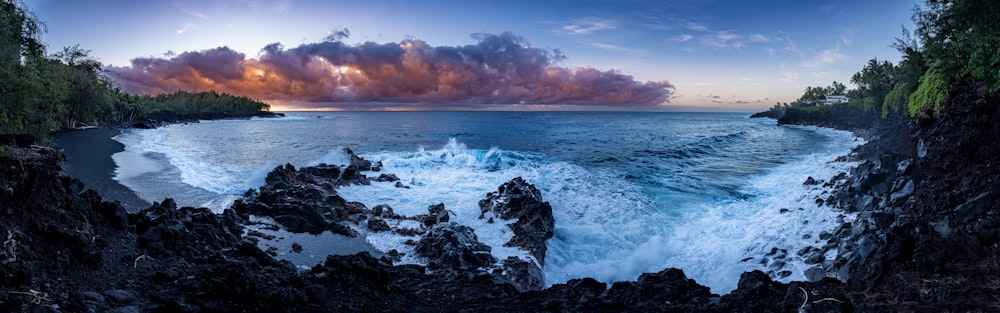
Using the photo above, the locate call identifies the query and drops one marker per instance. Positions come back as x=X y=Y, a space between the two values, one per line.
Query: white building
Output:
x=834 y=99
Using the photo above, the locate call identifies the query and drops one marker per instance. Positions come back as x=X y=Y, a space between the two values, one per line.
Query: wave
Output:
x=687 y=205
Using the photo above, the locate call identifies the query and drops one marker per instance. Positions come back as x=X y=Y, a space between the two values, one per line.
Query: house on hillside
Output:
x=834 y=99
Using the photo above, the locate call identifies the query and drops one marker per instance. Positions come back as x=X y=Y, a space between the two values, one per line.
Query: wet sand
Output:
x=88 y=158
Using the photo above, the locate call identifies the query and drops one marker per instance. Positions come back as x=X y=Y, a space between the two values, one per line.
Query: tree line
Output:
x=955 y=42
x=41 y=93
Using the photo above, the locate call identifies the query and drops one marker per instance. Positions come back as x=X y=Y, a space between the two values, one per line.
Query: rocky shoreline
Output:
x=925 y=239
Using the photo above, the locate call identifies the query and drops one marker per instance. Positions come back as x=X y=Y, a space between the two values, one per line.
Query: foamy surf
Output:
x=624 y=204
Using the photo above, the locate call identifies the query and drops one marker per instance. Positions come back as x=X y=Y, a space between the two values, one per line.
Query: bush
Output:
x=930 y=95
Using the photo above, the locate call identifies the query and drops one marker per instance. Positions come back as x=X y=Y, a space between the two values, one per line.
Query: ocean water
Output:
x=710 y=193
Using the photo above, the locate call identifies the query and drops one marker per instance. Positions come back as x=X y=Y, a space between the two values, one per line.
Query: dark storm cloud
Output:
x=498 y=69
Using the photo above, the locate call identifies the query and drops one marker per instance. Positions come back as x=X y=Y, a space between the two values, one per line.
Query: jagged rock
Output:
x=357 y=161
x=387 y=178
x=450 y=246
x=901 y=190
x=815 y=258
x=814 y=274
x=669 y=286
x=435 y=214
x=377 y=224
x=810 y=181
x=384 y=210
x=534 y=223
x=524 y=273
x=305 y=200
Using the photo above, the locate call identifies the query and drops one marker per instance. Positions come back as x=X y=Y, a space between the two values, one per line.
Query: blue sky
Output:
x=734 y=55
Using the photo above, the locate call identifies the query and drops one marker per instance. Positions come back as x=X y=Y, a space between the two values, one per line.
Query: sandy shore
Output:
x=88 y=158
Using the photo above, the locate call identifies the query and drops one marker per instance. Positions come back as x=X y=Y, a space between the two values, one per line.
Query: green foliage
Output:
x=896 y=99
x=962 y=39
x=183 y=102
x=39 y=93
x=929 y=96
x=814 y=95
x=874 y=81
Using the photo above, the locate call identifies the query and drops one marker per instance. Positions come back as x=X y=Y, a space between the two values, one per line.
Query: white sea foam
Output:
x=454 y=175
x=151 y=152
x=131 y=162
x=607 y=226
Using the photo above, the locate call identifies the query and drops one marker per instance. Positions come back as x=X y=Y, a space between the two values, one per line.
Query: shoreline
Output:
x=921 y=227
x=87 y=147
x=88 y=158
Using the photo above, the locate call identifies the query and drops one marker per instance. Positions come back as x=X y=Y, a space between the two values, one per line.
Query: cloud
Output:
x=847 y=36
x=606 y=46
x=790 y=46
x=497 y=69
x=722 y=39
x=695 y=27
x=759 y=38
x=275 y=6
x=186 y=28
x=188 y=11
x=588 y=25
x=825 y=57
x=683 y=37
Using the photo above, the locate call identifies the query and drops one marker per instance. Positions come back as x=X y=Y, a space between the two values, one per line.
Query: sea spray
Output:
x=630 y=192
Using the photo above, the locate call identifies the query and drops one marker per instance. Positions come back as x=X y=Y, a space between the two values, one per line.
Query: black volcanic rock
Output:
x=305 y=200
x=450 y=246
x=533 y=222
x=63 y=249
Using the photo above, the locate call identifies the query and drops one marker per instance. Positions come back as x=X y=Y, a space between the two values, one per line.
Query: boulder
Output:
x=902 y=189
x=454 y=247
x=357 y=161
x=524 y=273
x=533 y=222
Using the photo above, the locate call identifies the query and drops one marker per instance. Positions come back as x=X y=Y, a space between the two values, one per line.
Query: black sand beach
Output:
x=88 y=158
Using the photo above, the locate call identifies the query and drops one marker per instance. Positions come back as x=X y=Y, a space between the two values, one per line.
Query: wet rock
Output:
x=377 y=224
x=810 y=181
x=384 y=210
x=387 y=178
x=815 y=258
x=522 y=202
x=305 y=200
x=814 y=274
x=524 y=272
x=450 y=246
x=358 y=162
x=435 y=214
x=296 y=247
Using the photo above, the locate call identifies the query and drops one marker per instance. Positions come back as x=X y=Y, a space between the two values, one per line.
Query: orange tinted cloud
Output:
x=499 y=69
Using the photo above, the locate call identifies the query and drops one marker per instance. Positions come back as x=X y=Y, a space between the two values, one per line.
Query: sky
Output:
x=692 y=55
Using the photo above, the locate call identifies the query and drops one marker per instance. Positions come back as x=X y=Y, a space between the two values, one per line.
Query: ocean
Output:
x=710 y=193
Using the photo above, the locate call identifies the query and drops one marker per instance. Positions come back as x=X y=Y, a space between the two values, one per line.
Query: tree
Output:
x=873 y=82
x=961 y=39
x=912 y=66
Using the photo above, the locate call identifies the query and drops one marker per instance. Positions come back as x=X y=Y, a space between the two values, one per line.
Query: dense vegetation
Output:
x=956 y=42
x=40 y=93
